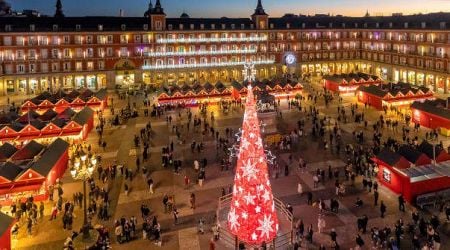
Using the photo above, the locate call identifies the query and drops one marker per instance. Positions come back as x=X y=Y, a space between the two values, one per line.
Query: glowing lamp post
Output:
x=82 y=168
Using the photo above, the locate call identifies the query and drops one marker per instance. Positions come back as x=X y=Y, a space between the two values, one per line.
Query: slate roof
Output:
x=382 y=90
x=6 y=151
x=28 y=152
x=101 y=94
x=51 y=155
x=10 y=170
x=114 y=23
x=348 y=77
x=388 y=156
x=83 y=116
x=432 y=107
x=411 y=154
x=427 y=148
x=5 y=222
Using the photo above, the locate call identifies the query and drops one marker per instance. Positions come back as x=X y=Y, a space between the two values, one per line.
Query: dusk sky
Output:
x=235 y=8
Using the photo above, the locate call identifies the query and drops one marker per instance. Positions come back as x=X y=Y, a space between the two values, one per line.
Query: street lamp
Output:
x=83 y=166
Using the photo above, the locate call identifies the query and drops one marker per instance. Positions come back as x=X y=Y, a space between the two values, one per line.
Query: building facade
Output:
x=49 y=53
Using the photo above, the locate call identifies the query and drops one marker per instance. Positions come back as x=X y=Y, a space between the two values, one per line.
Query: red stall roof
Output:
x=5 y=223
x=48 y=159
x=392 y=159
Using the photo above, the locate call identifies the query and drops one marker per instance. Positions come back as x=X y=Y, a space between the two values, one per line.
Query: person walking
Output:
x=150 y=185
x=175 y=215
x=192 y=201
x=321 y=224
x=401 y=203
x=382 y=209
x=375 y=197
x=299 y=189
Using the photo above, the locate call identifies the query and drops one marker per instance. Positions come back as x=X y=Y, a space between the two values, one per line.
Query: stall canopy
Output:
x=439 y=153
x=6 y=151
x=432 y=113
x=28 y=152
x=60 y=100
x=50 y=157
x=390 y=158
x=399 y=94
x=346 y=83
x=413 y=155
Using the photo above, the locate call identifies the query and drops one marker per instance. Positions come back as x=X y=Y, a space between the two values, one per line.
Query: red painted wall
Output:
x=5 y=239
x=371 y=100
x=429 y=120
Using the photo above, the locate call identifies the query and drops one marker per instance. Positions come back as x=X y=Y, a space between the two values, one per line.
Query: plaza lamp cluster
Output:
x=212 y=39
x=82 y=168
x=202 y=65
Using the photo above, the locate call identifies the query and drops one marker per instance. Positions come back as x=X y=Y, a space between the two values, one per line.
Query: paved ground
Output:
x=50 y=235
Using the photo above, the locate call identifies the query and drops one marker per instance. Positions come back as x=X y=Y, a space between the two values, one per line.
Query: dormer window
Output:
x=442 y=25
x=405 y=25
x=213 y=26
x=252 y=26
x=100 y=27
x=424 y=25
x=303 y=25
x=271 y=25
x=224 y=26
x=181 y=26
x=145 y=27
x=170 y=26
x=123 y=27
x=343 y=25
x=77 y=27
x=377 y=25
x=55 y=27
x=391 y=25
x=192 y=26
x=242 y=26
x=233 y=26
x=288 y=26
x=202 y=26
x=32 y=27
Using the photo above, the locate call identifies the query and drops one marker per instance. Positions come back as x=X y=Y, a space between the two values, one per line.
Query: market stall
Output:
x=388 y=95
x=349 y=83
x=434 y=114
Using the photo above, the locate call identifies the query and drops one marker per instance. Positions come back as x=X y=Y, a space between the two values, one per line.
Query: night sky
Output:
x=234 y=8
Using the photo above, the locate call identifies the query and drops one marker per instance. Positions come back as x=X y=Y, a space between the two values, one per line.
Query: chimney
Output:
x=121 y=13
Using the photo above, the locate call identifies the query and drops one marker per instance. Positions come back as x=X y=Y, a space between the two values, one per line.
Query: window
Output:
x=20 y=41
x=89 y=39
x=233 y=26
x=77 y=27
x=170 y=26
x=32 y=27
x=100 y=27
x=44 y=53
x=101 y=65
x=7 y=40
x=181 y=26
x=44 y=67
x=55 y=67
x=202 y=26
x=55 y=27
x=123 y=27
x=123 y=39
x=66 y=39
x=109 y=51
x=110 y=39
x=271 y=25
x=213 y=26
x=192 y=26
x=8 y=28
x=137 y=38
x=224 y=26
x=242 y=26
x=21 y=68
x=78 y=66
x=90 y=65
x=145 y=27
x=32 y=67
x=158 y=25
x=66 y=66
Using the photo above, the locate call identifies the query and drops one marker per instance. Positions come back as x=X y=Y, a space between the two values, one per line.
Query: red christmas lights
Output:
x=252 y=217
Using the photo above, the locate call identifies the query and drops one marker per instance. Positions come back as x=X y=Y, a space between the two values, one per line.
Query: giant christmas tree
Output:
x=252 y=217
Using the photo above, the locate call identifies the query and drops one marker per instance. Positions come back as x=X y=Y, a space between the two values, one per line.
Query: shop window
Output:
x=387 y=175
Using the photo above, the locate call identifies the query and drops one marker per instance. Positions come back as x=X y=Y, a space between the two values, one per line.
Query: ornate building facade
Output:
x=48 y=53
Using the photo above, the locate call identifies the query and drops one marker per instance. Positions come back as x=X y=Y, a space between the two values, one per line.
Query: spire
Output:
x=158 y=8
x=149 y=10
x=367 y=13
x=59 y=11
x=259 y=9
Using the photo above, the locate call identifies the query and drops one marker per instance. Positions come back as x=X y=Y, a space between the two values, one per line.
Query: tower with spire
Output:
x=149 y=10
x=59 y=11
x=260 y=17
x=157 y=16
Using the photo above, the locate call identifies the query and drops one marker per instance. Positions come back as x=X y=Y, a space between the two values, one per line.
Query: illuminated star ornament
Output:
x=252 y=217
